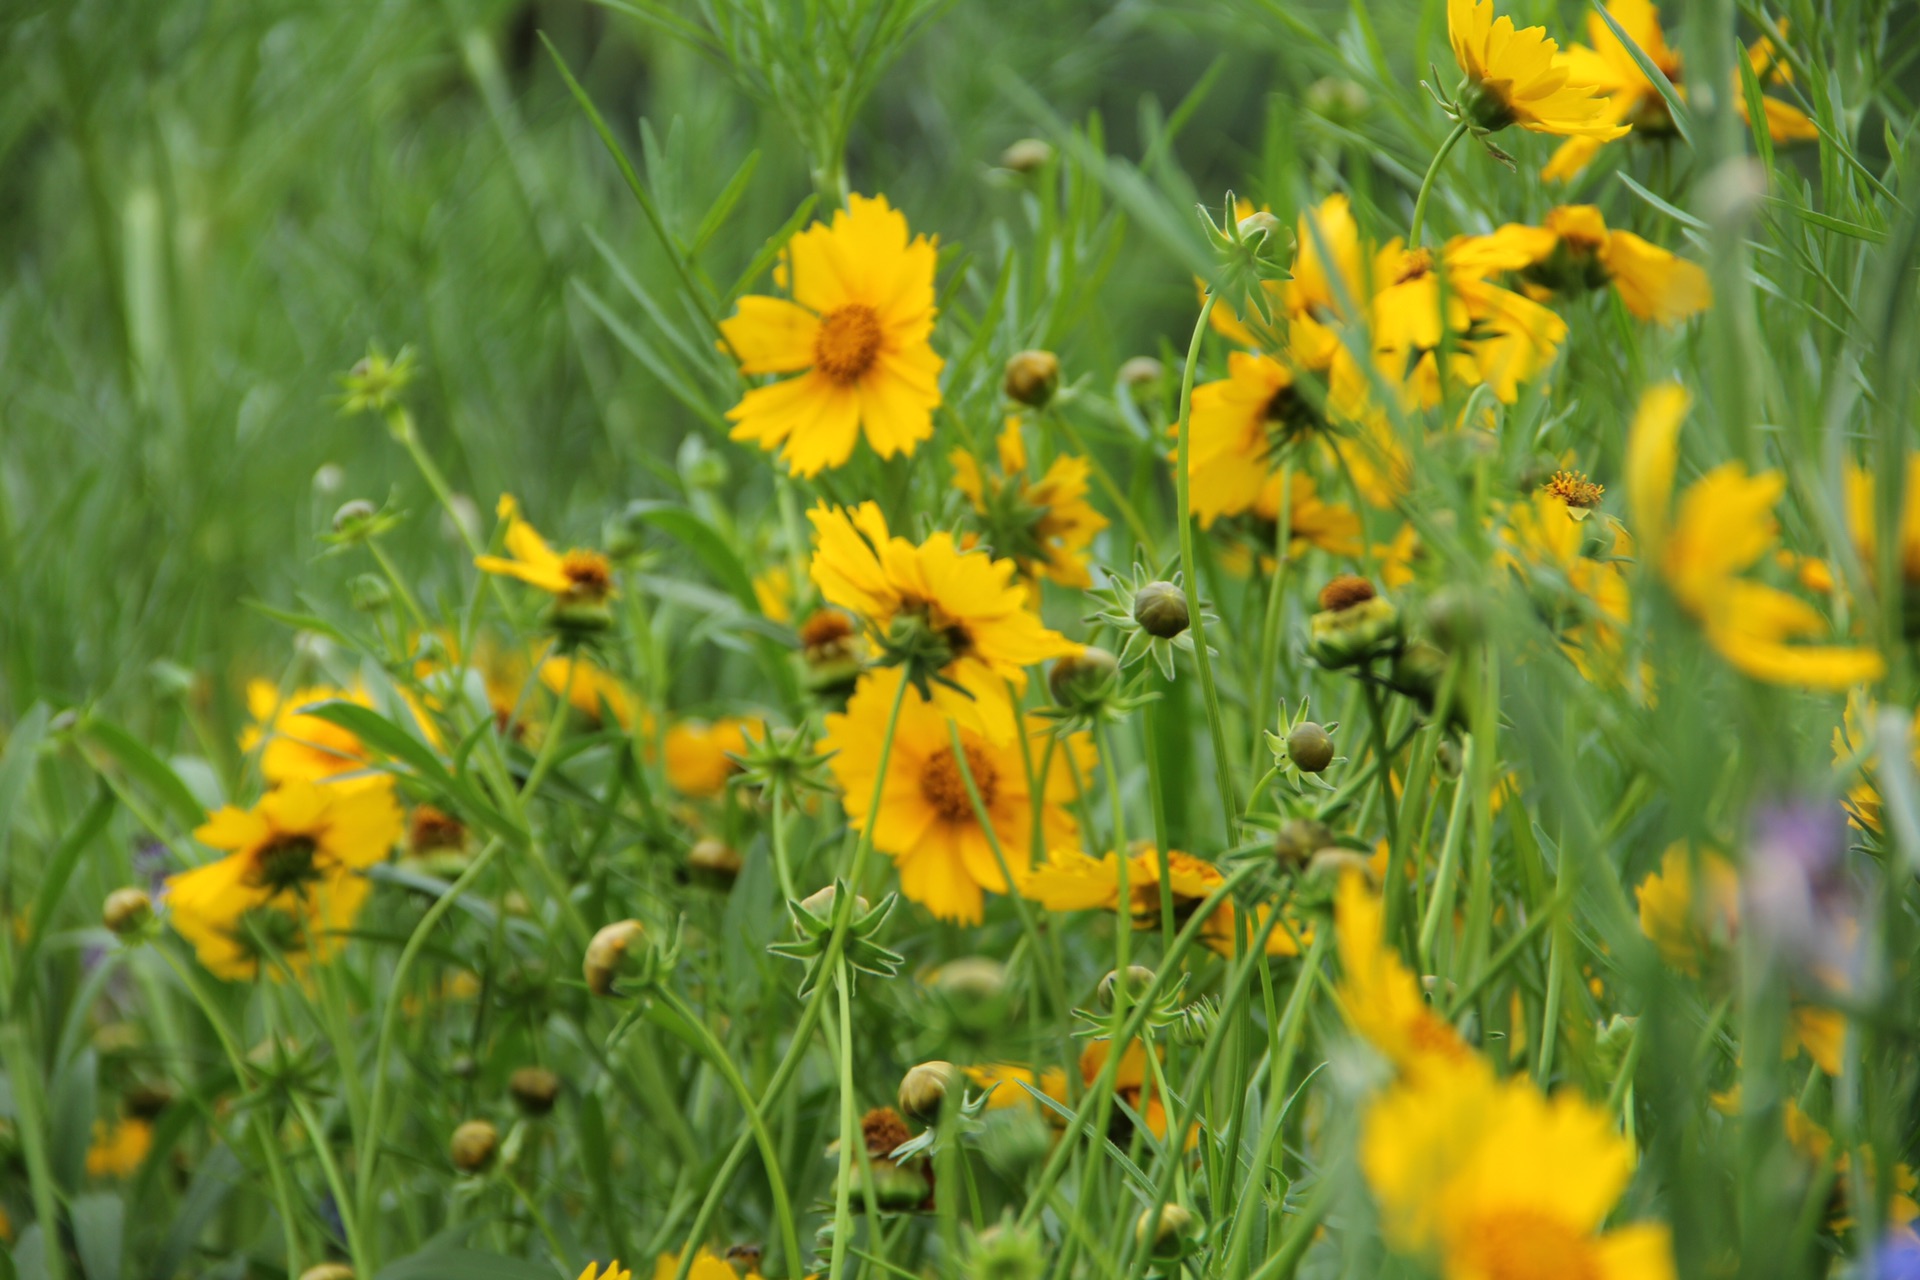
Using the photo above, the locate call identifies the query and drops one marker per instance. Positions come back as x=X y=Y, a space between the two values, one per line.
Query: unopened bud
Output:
x=1354 y=624
x=1166 y=1231
x=354 y=517
x=473 y=1146
x=971 y=978
x=127 y=912
x=713 y=862
x=1006 y=1252
x=1299 y=839
x=1309 y=747
x=1161 y=610
x=1083 y=681
x=1026 y=156
x=369 y=593
x=819 y=904
x=1139 y=980
x=1141 y=371
x=607 y=954
x=534 y=1089
x=924 y=1088
x=1032 y=378
x=328 y=1271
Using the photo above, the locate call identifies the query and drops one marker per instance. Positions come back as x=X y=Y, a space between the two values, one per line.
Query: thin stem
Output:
x=1183 y=485
x=1426 y=183
x=849 y=1126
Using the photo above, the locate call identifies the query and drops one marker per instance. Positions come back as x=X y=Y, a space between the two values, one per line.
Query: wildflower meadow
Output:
x=758 y=639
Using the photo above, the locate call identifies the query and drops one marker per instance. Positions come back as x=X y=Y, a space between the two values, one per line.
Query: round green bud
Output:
x=1139 y=980
x=1310 y=747
x=1161 y=610
x=473 y=1146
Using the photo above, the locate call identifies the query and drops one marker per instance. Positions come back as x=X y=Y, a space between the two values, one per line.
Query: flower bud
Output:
x=1309 y=747
x=1337 y=99
x=1006 y=1252
x=713 y=862
x=1139 y=980
x=1455 y=616
x=146 y=1099
x=1032 y=378
x=1259 y=225
x=127 y=912
x=607 y=954
x=1141 y=371
x=354 y=518
x=1354 y=624
x=819 y=903
x=1299 y=839
x=745 y=1258
x=1166 y=1231
x=1028 y=155
x=534 y=1089
x=328 y=1271
x=924 y=1088
x=1084 y=681
x=971 y=978
x=464 y=1067
x=1417 y=672
x=1161 y=610
x=473 y=1146
x=369 y=593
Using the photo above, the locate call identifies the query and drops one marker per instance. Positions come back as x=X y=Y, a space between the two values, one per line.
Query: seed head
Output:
x=534 y=1089
x=473 y=1146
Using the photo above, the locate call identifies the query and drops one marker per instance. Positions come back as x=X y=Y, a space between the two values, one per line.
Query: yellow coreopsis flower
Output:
x=576 y=576
x=1072 y=881
x=1685 y=921
x=1544 y=540
x=302 y=748
x=773 y=592
x=1723 y=526
x=1004 y=1081
x=119 y=1148
x=1573 y=248
x=1379 y=995
x=1815 y=1145
x=590 y=689
x=1520 y=77
x=1238 y=424
x=700 y=753
x=1863 y=520
x=973 y=604
x=1854 y=746
x=1045 y=526
x=707 y=1265
x=856 y=331
x=1494 y=1181
x=614 y=1271
x=1632 y=98
x=926 y=820
x=289 y=878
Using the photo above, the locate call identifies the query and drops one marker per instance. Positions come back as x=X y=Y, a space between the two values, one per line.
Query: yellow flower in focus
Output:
x=1685 y=922
x=856 y=331
x=1379 y=995
x=1045 y=526
x=1521 y=77
x=288 y=879
x=971 y=601
x=577 y=576
x=926 y=821
x=1495 y=1181
x=119 y=1148
x=699 y=753
x=1723 y=526
x=1573 y=248
x=302 y=748
x=1073 y=881
x=1608 y=68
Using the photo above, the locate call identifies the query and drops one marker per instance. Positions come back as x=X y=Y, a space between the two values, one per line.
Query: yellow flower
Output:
x=1005 y=1081
x=1072 y=881
x=699 y=753
x=614 y=1271
x=1815 y=1145
x=1379 y=995
x=1684 y=923
x=578 y=576
x=707 y=1265
x=926 y=821
x=1574 y=249
x=302 y=748
x=972 y=602
x=1239 y=424
x=1045 y=526
x=1723 y=526
x=1496 y=1182
x=773 y=591
x=858 y=325
x=119 y=1148
x=1631 y=97
x=1521 y=77
x=288 y=878
x=590 y=689
x=1854 y=745
x=1544 y=540
x=1863 y=519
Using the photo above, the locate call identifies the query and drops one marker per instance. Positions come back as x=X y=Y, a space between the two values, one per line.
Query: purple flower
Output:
x=1898 y=1259
x=1799 y=899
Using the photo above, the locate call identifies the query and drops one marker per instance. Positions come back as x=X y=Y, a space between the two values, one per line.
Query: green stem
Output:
x=1269 y=659
x=849 y=1126
x=27 y=1089
x=1426 y=183
x=1183 y=485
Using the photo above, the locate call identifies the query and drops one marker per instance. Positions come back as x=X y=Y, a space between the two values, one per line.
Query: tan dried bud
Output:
x=1028 y=155
x=534 y=1089
x=713 y=862
x=924 y=1089
x=607 y=954
x=1032 y=378
x=473 y=1146
x=328 y=1271
x=127 y=911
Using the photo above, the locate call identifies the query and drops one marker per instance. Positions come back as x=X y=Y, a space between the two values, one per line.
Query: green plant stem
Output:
x=1440 y=905
x=1263 y=672
x=849 y=1126
x=1458 y=132
x=1123 y=924
x=24 y=1073
x=716 y=1053
x=400 y=423
x=1183 y=485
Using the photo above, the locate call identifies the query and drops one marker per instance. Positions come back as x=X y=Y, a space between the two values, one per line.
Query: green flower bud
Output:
x=1032 y=378
x=473 y=1146
x=354 y=518
x=1139 y=980
x=1161 y=610
x=127 y=912
x=1006 y=1252
x=534 y=1089
x=1083 y=682
x=923 y=1090
x=1168 y=1232
x=1028 y=155
x=1299 y=839
x=1310 y=747
x=369 y=593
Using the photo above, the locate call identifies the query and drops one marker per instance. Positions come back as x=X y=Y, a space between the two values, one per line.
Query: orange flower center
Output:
x=285 y=862
x=1414 y=265
x=945 y=788
x=588 y=574
x=1575 y=489
x=848 y=342
x=1524 y=1244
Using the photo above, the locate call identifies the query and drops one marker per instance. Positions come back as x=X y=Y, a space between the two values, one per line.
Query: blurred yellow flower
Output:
x=1006 y=1081
x=1723 y=526
x=1239 y=426
x=1854 y=746
x=1045 y=526
x=1379 y=995
x=577 y=576
x=1494 y=1181
x=1573 y=248
x=972 y=602
x=590 y=689
x=1863 y=519
x=856 y=331
x=1521 y=77
x=614 y=1271
x=289 y=875
x=302 y=748
x=1815 y=1145
x=773 y=592
x=707 y=1265
x=1072 y=881
x=926 y=821
x=699 y=751
x=1685 y=922
x=119 y=1148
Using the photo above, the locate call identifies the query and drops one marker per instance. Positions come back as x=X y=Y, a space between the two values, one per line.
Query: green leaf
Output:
x=153 y=773
x=16 y=768
x=467 y=1264
x=53 y=882
x=1828 y=222
x=724 y=203
x=384 y=735
x=99 y=1225
x=706 y=543
x=1682 y=121
x=213 y=1182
